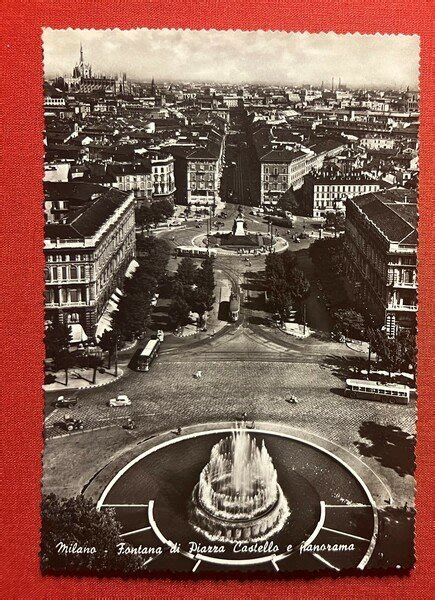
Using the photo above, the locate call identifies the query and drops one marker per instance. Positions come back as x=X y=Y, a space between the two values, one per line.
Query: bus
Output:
x=234 y=307
x=195 y=252
x=374 y=390
x=148 y=354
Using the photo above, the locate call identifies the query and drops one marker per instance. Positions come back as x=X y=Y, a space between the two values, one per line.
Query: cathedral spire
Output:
x=81 y=53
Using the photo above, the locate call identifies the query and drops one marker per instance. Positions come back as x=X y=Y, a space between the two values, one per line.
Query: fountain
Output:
x=238 y=496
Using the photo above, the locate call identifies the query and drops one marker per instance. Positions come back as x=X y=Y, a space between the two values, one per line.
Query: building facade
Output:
x=136 y=178
x=87 y=255
x=281 y=170
x=381 y=255
x=325 y=193
x=203 y=179
x=163 y=178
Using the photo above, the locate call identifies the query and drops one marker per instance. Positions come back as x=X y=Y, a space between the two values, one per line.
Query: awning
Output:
x=78 y=334
x=131 y=268
x=105 y=321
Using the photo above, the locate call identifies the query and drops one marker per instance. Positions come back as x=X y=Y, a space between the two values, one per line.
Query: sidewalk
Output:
x=296 y=330
x=357 y=346
x=82 y=379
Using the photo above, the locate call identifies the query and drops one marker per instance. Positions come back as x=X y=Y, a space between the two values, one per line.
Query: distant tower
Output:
x=339 y=83
x=153 y=87
x=82 y=70
x=332 y=84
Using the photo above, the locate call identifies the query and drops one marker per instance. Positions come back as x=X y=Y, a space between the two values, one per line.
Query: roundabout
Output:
x=331 y=521
x=200 y=241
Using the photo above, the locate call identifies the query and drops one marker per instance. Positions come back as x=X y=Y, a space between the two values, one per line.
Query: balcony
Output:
x=409 y=285
x=67 y=304
x=402 y=307
x=72 y=282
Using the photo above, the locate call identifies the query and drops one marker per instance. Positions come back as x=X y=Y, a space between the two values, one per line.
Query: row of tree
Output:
x=151 y=213
x=192 y=291
x=57 y=340
x=396 y=354
x=134 y=309
x=286 y=285
x=393 y=354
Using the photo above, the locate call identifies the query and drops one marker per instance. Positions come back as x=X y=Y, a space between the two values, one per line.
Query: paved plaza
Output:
x=242 y=372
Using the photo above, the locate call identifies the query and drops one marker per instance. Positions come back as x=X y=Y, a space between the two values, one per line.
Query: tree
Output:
x=396 y=354
x=288 y=201
x=152 y=247
x=57 y=338
x=327 y=254
x=166 y=208
x=108 y=343
x=186 y=271
x=143 y=281
x=179 y=311
x=205 y=282
x=288 y=260
x=66 y=522
x=201 y=303
x=161 y=210
x=65 y=361
x=335 y=219
x=144 y=216
x=409 y=342
x=274 y=267
x=280 y=298
x=299 y=286
x=349 y=321
x=92 y=361
x=133 y=314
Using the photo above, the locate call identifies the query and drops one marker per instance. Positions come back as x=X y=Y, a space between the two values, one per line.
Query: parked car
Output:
x=66 y=402
x=71 y=423
x=120 y=400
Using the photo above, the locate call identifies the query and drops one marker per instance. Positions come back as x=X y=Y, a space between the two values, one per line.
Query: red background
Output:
x=21 y=314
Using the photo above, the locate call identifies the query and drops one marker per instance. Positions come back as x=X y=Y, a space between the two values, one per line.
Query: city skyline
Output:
x=359 y=61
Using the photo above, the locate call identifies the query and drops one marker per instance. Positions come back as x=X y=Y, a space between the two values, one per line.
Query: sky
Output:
x=238 y=57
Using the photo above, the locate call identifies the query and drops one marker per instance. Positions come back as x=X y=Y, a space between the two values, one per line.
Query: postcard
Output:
x=230 y=242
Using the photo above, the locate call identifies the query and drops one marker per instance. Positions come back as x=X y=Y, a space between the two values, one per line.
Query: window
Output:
x=74 y=295
x=73 y=272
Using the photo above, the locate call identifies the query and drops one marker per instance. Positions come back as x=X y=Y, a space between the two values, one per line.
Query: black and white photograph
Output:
x=230 y=244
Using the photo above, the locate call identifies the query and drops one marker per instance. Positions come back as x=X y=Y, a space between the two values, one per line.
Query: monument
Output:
x=239 y=225
x=238 y=238
x=238 y=496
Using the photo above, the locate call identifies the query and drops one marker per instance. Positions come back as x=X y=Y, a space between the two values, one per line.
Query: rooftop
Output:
x=87 y=220
x=393 y=211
